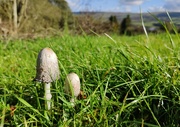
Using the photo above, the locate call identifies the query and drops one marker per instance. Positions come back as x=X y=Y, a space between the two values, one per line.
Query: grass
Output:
x=127 y=81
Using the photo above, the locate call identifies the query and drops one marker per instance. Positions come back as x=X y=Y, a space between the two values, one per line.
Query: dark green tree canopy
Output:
x=125 y=24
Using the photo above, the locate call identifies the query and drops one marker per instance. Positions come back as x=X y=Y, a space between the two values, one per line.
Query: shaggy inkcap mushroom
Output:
x=47 y=71
x=72 y=86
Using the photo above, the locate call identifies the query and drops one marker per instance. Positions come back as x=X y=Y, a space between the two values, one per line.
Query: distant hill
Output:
x=148 y=18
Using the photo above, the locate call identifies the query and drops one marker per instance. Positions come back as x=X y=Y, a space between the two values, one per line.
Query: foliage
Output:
x=128 y=81
x=5 y=9
x=87 y=24
x=167 y=25
x=39 y=16
x=66 y=14
x=114 y=23
x=125 y=24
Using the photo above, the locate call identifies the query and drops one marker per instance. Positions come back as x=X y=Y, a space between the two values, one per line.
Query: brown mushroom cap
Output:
x=72 y=79
x=47 y=69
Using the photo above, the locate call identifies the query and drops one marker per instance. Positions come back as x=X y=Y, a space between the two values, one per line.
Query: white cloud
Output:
x=127 y=5
x=127 y=9
x=79 y=5
x=115 y=9
x=132 y=2
x=156 y=9
x=172 y=5
x=73 y=3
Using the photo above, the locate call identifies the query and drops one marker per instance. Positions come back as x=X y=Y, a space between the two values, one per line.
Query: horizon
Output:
x=127 y=6
x=124 y=12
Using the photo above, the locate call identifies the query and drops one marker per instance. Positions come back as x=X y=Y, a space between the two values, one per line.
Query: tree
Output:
x=114 y=23
x=32 y=16
x=66 y=14
x=13 y=11
x=113 y=19
x=125 y=24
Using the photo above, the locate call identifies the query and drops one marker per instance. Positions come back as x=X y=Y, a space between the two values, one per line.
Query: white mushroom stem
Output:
x=72 y=101
x=47 y=95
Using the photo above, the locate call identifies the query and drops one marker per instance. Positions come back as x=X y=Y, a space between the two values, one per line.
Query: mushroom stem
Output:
x=48 y=95
x=72 y=101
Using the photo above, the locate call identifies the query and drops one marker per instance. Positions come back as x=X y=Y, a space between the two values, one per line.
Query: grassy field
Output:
x=127 y=81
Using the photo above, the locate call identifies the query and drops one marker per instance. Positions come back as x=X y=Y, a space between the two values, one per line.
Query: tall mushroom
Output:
x=47 y=71
x=72 y=86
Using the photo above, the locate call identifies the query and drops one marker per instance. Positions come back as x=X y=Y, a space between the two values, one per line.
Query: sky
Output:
x=133 y=6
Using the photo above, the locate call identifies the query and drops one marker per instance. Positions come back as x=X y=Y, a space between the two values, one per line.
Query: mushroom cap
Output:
x=47 y=69
x=72 y=81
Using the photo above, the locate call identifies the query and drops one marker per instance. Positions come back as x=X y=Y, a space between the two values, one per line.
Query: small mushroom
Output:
x=72 y=86
x=47 y=71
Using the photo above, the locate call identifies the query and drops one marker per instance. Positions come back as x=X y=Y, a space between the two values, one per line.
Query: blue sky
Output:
x=125 y=5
